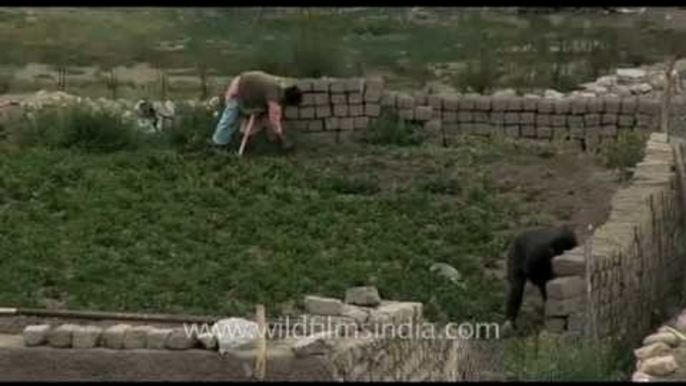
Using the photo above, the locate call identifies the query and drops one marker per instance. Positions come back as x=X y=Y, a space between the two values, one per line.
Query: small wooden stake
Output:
x=246 y=134
x=261 y=358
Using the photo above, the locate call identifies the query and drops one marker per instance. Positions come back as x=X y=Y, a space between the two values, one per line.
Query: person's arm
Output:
x=232 y=90
x=275 y=115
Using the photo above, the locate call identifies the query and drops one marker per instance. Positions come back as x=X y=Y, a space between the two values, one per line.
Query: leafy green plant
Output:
x=389 y=129
x=76 y=127
x=193 y=129
x=625 y=152
x=552 y=358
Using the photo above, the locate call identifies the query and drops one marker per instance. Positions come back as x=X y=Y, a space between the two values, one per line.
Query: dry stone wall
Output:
x=346 y=105
x=631 y=269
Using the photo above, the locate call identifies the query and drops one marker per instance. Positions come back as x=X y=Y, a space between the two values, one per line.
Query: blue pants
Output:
x=228 y=124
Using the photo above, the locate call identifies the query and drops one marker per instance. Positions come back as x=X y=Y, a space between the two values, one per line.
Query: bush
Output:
x=76 y=127
x=624 y=153
x=548 y=358
x=389 y=129
x=193 y=129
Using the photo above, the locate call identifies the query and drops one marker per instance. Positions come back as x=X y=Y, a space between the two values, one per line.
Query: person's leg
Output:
x=228 y=123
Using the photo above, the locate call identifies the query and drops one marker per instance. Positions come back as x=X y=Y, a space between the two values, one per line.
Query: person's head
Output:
x=293 y=96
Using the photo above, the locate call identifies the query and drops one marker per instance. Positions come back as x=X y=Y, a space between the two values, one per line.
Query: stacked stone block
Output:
x=634 y=266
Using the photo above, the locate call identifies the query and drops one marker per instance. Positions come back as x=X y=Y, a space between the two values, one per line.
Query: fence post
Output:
x=590 y=327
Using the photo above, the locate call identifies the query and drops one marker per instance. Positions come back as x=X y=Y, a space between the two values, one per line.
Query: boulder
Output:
x=652 y=350
x=316 y=344
x=235 y=334
x=553 y=94
x=36 y=335
x=179 y=339
x=665 y=337
x=322 y=306
x=663 y=365
x=447 y=271
x=86 y=337
x=630 y=75
x=363 y=296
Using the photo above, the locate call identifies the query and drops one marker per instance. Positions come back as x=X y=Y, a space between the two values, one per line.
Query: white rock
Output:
x=180 y=339
x=322 y=306
x=641 y=377
x=640 y=88
x=553 y=94
x=652 y=350
x=36 y=335
x=113 y=337
x=659 y=365
x=363 y=296
x=360 y=314
x=208 y=340
x=630 y=74
x=505 y=93
x=665 y=337
x=622 y=90
x=157 y=338
x=61 y=336
x=447 y=271
x=606 y=81
x=315 y=344
x=86 y=337
x=136 y=337
x=235 y=333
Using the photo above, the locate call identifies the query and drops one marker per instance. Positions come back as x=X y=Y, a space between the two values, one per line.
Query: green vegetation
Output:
x=140 y=226
x=389 y=129
x=625 y=152
x=550 y=358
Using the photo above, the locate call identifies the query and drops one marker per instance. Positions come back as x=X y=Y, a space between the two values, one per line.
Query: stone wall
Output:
x=634 y=264
x=338 y=106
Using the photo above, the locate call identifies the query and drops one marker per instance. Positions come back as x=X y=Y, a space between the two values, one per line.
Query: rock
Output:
x=310 y=324
x=322 y=306
x=235 y=334
x=396 y=313
x=553 y=94
x=358 y=313
x=659 y=365
x=622 y=91
x=665 y=337
x=606 y=81
x=136 y=337
x=680 y=323
x=651 y=350
x=641 y=377
x=532 y=96
x=113 y=337
x=506 y=93
x=630 y=75
x=36 y=335
x=86 y=337
x=61 y=336
x=157 y=338
x=208 y=340
x=640 y=88
x=447 y=271
x=363 y=296
x=179 y=339
x=316 y=344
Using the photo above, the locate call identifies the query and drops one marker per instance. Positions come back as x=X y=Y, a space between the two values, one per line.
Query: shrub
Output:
x=77 y=127
x=624 y=153
x=389 y=129
x=192 y=130
x=549 y=358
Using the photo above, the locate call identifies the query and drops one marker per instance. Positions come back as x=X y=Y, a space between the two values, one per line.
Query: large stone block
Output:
x=528 y=131
x=595 y=105
x=608 y=130
x=566 y=287
x=323 y=111
x=558 y=120
x=36 y=335
x=497 y=118
x=546 y=106
x=372 y=96
x=543 y=120
x=308 y=100
x=626 y=121
x=420 y=98
x=563 y=107
x=608 y=119
x=157 y=338
x=527 y=118
x=179 y=339
x=571 y=263
x=322 y=306
x=356 y=110
x=612 y=105
x=360 y=123
x=389 y=99
x=136 y=337
x=591 y=120
x=321 y=99
x=340 y=110
x=355 y=98
x=113 y=337
x=337 y=86
x=305 y=85
x=405 y=101
x=648 y=106
x=452 y=103
x=354 y=85
x=396 y=313
x=423 y=113
x=465 y=116
x=449 y=116
x=86 y=337
x=465 y=103
x=579 y=106
x=563 y=307
x=300 y=125
x=406 y=114
x=575 y=121
x=530 y=105
x=306 y=113
x=629 y=105
x=315 y=125
x=435 y=101
x=61 y=337
x=499 y=104
x=346 y=124
x=544 y=132
x=374 y=84
x=482 y=103
x=511 y=118
x=363 y=296
x=290 y=112
x=372 y=110
x=332 y=123
x=321 y=85
x=339 y=99
x=480 y=117
x=515 y=104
